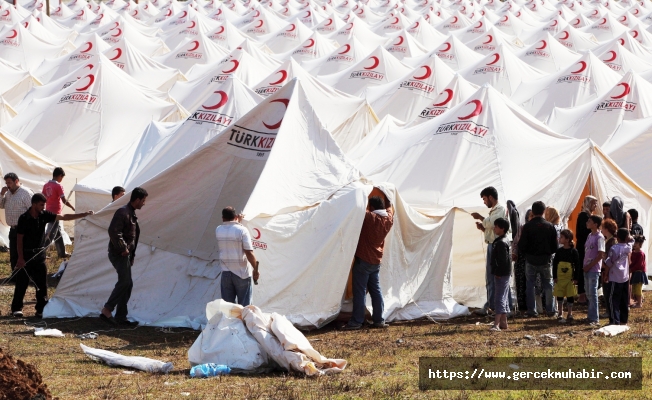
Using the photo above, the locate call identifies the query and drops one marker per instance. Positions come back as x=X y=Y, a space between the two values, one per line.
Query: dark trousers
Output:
x=56 y=236
x=122 y=290
x=13 y=248
x=38 y=272
x=366 y=277
x=617 y=296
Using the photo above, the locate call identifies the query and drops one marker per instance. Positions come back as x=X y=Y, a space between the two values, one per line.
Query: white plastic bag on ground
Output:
x=141 y=363
x=611 y=330
x=48 y=332
x=225 y=340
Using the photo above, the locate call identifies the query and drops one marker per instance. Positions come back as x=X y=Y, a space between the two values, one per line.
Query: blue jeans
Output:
x=591 y=288
x=490 y=285
x=531 y=272
x=366 y=277
x=233 y=286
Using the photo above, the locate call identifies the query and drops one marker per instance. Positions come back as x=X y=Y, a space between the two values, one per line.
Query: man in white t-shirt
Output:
x=235 y=248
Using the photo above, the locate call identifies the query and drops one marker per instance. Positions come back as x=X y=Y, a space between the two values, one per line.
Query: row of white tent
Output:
x=298 y=138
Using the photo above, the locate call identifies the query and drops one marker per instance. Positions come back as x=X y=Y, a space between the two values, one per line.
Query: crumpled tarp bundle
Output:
x=249 y=340
x=115 y=359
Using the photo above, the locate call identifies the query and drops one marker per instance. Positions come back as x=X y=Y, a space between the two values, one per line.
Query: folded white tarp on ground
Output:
x=116 y=360
x=250 y=340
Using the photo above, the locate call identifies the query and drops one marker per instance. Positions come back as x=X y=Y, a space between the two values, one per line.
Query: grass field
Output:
x=382 y=363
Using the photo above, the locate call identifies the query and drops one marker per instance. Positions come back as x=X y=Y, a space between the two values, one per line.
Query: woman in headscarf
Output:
x=618 y=213
x=589 y=206
x=519 y=266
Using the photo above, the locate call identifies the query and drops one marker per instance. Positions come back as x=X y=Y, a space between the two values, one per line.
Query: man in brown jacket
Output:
x=123 y=240
x=377 y=222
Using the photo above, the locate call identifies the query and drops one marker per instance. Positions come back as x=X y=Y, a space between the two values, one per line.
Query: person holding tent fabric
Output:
x=589 y=206
x=235 y=248
x=15 y=199
x=123 y=240
x=31 y=246
x=378 y=220
x=53 y=191
x=490 y=198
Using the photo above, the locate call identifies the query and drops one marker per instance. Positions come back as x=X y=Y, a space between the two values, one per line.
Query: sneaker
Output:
x=17 y=314
x=532 y=315
x=494 y=329
x=594 y=323
x=126 y=322
x=561 y=320
x=482 y=312
x=348 y=327
x=380 y=325
x=570 y=318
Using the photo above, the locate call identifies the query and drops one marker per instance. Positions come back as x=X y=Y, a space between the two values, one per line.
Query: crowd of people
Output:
x=553 y=266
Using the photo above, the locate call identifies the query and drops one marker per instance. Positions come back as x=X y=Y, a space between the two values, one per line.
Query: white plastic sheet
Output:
x=141 y=363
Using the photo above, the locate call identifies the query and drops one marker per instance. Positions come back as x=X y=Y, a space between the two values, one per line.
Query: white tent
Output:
x=378 y=68
x=143 y=69
x=7 y=112
x=18 y=46
x=486 y=141
x=92 y=119
x=192 y=52
x=287 y=38
x=344 y=57
x=457 y=90
x=548 y=55
x=227 y=36
x=629 y=100
x=406 y=97
x=629 y=147
x=452 y=52
x=489 y=42
x=359 y=31
x=325 y=203
x=163 y=144
x=576 y=40
x=503 y=70
x=605 y=28
x=402 y=44
x=425 y=34
x=54 y=68
x=15 y=82
x=573 y=86
x=316 y=46
x=621 y=60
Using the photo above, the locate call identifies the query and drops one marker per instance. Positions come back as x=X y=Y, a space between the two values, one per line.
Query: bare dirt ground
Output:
x=382 y=363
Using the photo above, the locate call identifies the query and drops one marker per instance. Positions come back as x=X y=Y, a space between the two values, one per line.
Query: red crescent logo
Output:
x=135 y=13
x=496 y=58
x=416 y=25
x=330 y=22
x=260 y=23
x=505 y=18
x=278 y=124
x=426 y=75
x=350 y=27
x=476 y=111
x=195 y=46
x=348 y=47
x=542 y=46
x=448 y=47
x=119 y=33
x=257 y=14
x=490 y=39
x=554 y=23
x=565 y=37
x=463 y=9
x=395 y=21
x=636 y=12
x=284 y=76
x=449 y=97
x=118 y=54
x=6 y=14
x=613 y=56
x=624 y=18
x=168 y=13
x=257 y=234
x=219 y=12
x=26 y=24
x=90 y=82
x=14 y=33
x=184 y=14
x=90 y=46
x=192 y=25
x=604 y=21
x=360 y=12
x=634 y=34
x=582 y=68
x=292 y=27
x=221 y=30
x=223 y=99
x=312 y=43
x=376 y=62
x=595 y=12
x=479 y=25
x=624 y=93
x=454 y=21
x=81 y=13
x=236 y=63
x=622 y=41
x=308 y=14
x=400 y=41
x=518 y=14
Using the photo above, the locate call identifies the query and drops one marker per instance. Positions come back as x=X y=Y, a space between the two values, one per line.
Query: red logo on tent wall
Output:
x=368 y=72
x=417 y=82
x=218 y=35
x=486 y=45
x=273 y=86
x=490 y=67
x=259 y=142
x=617 y=101
x=82 y=55
x=575 y=75
x=10 y=39
x=257 y=243
x=465 y=125
x=118 y=54
x=397 y=47
x=453 y=24
x=438 y=108
x=207 y=113
x=609 y=61
x=291 y=32
x=539 y=51
x=191 y=52
x=601 y=25
x=258 y=28
x=340 y=57
x=81 y=94
x=443 y=52
x=476 y=28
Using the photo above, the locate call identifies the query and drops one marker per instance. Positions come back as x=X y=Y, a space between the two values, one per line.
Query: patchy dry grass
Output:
x=380 y=365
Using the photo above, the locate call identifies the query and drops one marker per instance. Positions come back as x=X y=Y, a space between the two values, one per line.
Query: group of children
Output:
x=613 y=258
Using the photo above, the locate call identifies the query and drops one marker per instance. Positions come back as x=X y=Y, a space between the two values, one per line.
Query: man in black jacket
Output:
x=123 y=240
x=538 y=242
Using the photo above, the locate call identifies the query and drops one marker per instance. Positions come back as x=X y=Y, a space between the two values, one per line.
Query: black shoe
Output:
x=110 y=320
x=348 y=327
x=126 y=322
x=17 y=314
x=38 y=315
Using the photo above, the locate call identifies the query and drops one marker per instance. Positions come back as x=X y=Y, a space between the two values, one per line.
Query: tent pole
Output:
x=47 y=7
